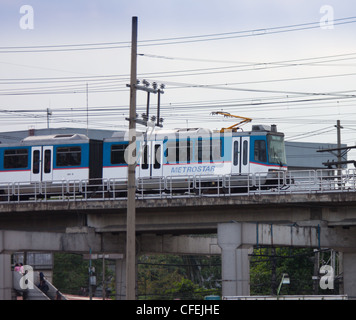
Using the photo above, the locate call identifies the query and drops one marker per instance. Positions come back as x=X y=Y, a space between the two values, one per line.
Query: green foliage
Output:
x=267 y=268
x=174 y=277
x=71 y=272
x=185 y=290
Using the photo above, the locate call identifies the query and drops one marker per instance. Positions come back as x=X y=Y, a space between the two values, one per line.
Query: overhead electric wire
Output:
x=172 y=40
x=111 y=80
x=291 y=62
x=115 y=119
x=61 y=79
x=310 y=133
x=187 y=109
x=223 y=87
x=174 y=73
x=249 y=33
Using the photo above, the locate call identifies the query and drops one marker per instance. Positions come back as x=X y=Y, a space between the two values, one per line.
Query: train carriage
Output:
x=181 y=155
x=39 y=162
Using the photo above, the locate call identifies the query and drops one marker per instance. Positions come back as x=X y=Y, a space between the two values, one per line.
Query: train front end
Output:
x=276 y=161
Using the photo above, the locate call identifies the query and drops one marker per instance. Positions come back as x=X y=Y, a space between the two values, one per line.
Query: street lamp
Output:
x=285 y=280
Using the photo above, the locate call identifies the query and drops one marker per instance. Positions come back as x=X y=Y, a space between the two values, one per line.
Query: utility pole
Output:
x=341 y=152
x=103 y=277
x=131 y=185
x=339 y=157
x=316 y=277
x=274 y=271
x=87 y=94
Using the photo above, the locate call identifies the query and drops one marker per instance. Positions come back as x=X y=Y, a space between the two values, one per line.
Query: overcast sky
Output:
x=290 y=63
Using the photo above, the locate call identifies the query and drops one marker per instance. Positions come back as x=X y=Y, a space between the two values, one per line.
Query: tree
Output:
x=178 y=277
x=296 y=262
x=71 y=272
x=185 y=289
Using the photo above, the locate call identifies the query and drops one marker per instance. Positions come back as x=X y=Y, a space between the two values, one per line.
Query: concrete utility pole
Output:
x=131 y=185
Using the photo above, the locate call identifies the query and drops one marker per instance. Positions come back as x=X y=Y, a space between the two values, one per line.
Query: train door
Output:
x=240 y=155
x=245 y=159
x=42 y=163
x=151 y=159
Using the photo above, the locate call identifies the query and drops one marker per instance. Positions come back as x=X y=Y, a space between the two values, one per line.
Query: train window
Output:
x=276 y=149
x=177 y=151
x=16 y=159
x=199 y=150
x=68 y=156
x=236 y=153
x=216 y=150
x=182 y=151
x=36 y=162
x=165 y=150
x=157 y=163
x=203 y=149
x=171 y=152
x=245 y=153
x=118 y=153
x=47 y=161
x=206 y=149
x=189 y=150
x=222 y=147
x=260 y=151
x=144 y=164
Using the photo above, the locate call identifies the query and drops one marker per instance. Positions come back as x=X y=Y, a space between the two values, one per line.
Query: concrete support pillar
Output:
x=5 y=270
x=235 y=262
x=243 y=271
x=349 y=266
x=5 y=277
x=120 y=279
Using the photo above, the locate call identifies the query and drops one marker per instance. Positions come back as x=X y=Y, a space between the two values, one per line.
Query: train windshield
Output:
x=276 y=149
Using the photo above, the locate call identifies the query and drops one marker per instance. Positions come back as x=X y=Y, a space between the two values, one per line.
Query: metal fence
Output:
x=306 y=181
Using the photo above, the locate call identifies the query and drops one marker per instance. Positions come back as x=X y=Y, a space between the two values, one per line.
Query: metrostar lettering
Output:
x=184 y=169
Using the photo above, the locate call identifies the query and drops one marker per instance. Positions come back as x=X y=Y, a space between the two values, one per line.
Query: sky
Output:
x=290 y=63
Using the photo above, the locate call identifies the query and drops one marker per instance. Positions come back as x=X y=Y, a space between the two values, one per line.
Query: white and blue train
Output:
x=174 y=154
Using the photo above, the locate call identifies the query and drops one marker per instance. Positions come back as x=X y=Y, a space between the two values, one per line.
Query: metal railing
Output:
x=306 y=181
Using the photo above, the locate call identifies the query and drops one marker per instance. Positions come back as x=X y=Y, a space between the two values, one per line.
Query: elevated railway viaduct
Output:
x=162 y=225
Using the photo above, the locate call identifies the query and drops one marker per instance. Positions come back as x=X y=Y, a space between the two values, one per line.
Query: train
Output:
x=49 y=161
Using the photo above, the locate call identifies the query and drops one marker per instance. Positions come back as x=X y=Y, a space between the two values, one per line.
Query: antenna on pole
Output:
x=49 y=113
